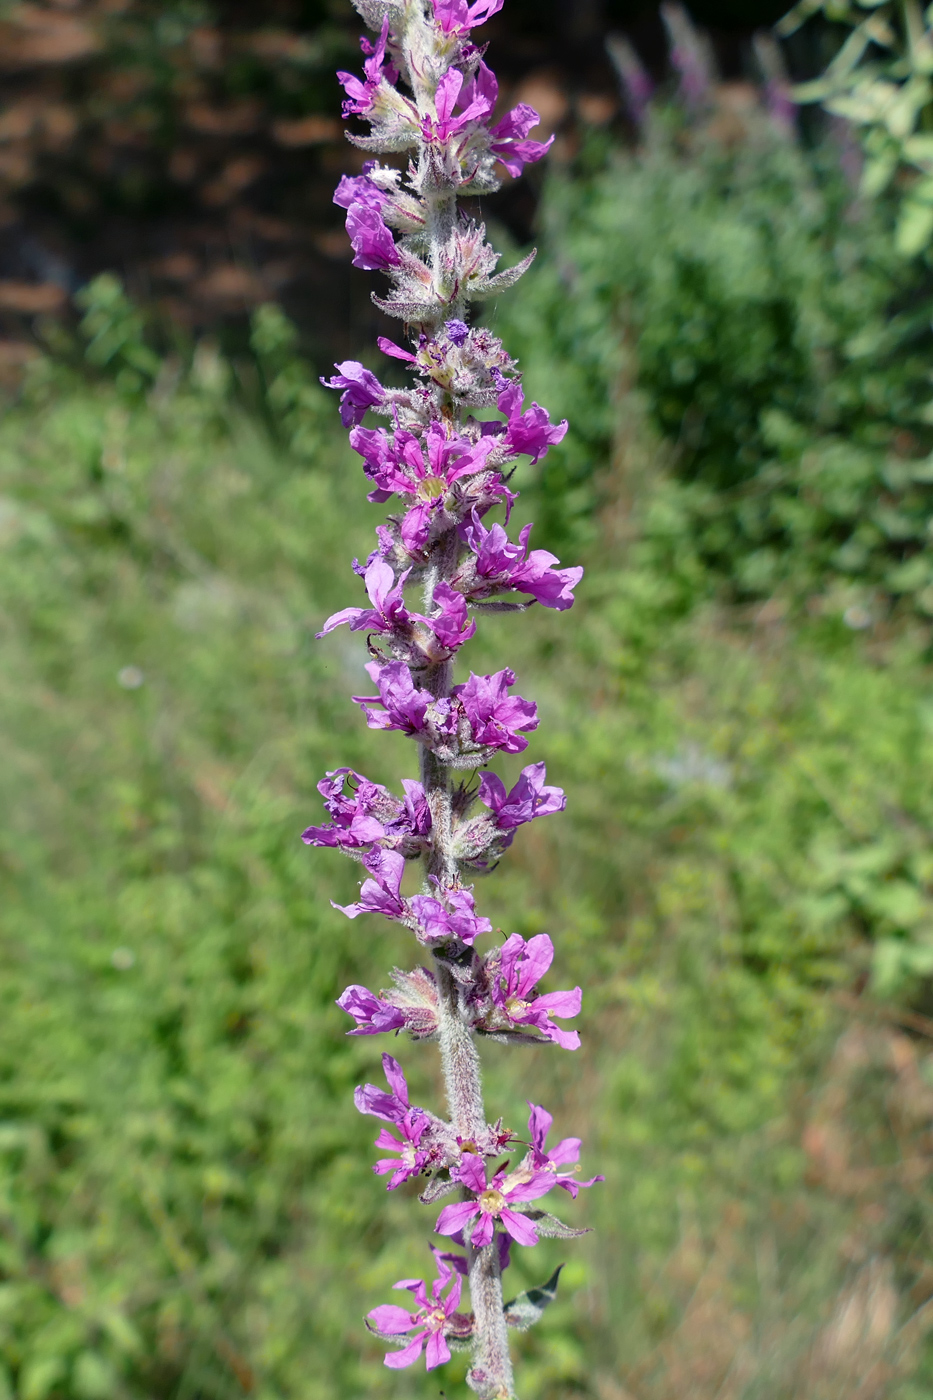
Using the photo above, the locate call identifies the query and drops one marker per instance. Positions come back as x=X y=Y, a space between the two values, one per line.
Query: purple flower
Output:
x=368 y=813
x=360 y=95
x=361 y=388
x=355 y=825
x=428 y=1323
x=565 y=1153
x=494 y=1202
x=380 y=894
x=404 y=705
x=496 y=718
x=370 y=1013
x=508 y=142
x=411 y=1005
x=373 y=245
x=387 y=613
x=450 y=625
x=411 y=1159
x=531 y=432
x=451 y=93
x=391 y=1106
x=529 y=798
x=500 y=564
x=457 y=331
x=399 y=466
x=417 y=808
x=451 y=916
x=389 y=347
x=458 y=16
x=359 y=189
x=520 y=967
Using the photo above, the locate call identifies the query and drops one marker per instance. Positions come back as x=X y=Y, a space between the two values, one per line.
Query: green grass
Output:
x=186 y=1205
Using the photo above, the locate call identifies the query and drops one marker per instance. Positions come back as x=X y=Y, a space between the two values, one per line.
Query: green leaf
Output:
x=39 y=1376
x=525 y=1310
x=799 y=15
x=914 y=227
x=551 y=1228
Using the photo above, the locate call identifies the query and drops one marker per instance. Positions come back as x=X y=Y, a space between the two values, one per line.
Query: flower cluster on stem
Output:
x=430 y=103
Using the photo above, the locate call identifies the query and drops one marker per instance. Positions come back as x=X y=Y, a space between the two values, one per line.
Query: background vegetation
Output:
x=739 y=710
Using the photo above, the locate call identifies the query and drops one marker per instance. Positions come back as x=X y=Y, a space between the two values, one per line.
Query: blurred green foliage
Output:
x=186 y=1205
x=739 y=302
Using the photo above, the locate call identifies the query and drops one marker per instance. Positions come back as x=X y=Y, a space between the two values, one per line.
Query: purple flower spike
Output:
x=566 y=1153
x=387 y=613
x=379 y=895
x=361 y=390
x=521 y=966
x=428 y=1323
x=529 y=798
x=494 y=1202
x=370 y=1013
x=446 y=459
x=497 y=719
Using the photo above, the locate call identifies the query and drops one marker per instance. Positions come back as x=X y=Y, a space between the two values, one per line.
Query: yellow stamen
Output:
x=431 y=488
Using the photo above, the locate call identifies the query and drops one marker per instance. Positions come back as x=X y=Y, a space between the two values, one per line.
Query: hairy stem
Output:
x=492 y=1370
x=491 y=1375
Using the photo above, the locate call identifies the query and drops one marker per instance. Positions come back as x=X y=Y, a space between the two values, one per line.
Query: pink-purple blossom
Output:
x=403 y=466
x=365 y=813
x=497 y=720
x=371 y=1013
x=410 y=1159
x=500 y=564
x=451 y=916
x=565 y=1154
x=493 y=1202
x=527 y=799
x=428 y=1324
x=359 y=189
x=518 y=970
x=449 y=122
x=410 y=1005
x=380 y=894
x=450 y=623
x=457 y=16
x=387 y=613
x=400 y=704
x=373 y=245
x=361 y=390
x=531 y=431
x=360 y=95
x=508 y=139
